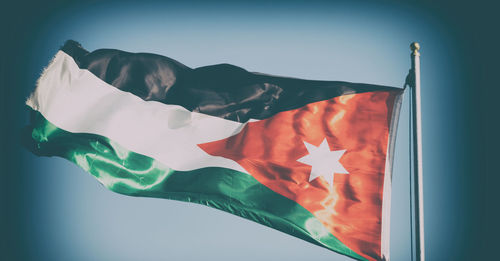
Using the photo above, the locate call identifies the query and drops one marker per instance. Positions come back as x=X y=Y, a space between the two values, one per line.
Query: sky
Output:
x=53 y=210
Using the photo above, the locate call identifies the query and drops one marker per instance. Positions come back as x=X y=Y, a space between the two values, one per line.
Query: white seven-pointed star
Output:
x=323 y=161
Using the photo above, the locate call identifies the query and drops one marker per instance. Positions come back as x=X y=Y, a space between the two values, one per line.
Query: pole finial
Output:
x=415 y=47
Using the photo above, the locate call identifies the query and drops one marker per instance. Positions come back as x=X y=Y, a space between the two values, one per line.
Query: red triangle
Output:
x=359 y=123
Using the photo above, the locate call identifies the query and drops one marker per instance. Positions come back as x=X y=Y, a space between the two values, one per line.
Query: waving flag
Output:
x=309 y=158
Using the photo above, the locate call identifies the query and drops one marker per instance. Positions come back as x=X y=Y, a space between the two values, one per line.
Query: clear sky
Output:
x=72 y=217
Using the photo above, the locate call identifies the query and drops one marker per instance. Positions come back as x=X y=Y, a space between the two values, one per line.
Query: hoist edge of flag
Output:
x=387 y=188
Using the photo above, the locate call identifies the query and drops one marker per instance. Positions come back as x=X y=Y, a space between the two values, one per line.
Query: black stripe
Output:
x=222 y=90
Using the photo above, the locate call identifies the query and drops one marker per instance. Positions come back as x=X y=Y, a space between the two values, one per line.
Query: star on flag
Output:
x=324 y=162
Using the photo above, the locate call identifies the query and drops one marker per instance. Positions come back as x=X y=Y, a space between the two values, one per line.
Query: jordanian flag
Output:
x=309 y=158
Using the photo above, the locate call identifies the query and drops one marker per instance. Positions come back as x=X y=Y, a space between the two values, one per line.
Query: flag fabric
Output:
x=310 y=158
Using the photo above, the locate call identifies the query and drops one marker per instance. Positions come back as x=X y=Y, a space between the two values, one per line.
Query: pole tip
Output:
x=415 y=47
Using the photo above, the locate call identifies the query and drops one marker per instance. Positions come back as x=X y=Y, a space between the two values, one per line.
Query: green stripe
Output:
x=129 y=173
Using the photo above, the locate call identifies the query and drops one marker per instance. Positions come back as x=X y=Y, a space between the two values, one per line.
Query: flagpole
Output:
x=417 y=153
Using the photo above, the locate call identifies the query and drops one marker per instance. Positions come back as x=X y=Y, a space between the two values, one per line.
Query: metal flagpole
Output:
x=417 y=153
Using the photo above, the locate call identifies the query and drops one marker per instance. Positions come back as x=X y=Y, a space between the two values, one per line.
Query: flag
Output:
x=309 y=158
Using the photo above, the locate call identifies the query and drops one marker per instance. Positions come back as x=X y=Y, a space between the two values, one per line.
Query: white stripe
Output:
x=77 y=101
